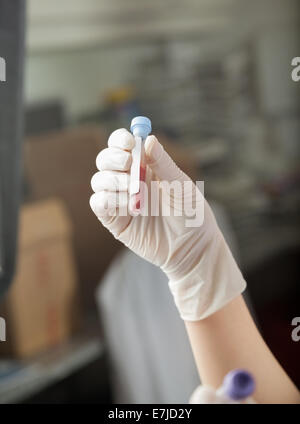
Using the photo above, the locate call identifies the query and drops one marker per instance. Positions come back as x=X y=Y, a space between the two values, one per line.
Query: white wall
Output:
x=69 y=55
x=60 y=24
x=67 y=42
x=80 y=78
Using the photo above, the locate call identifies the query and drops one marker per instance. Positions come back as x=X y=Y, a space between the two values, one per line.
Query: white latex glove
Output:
x=203 y=275
x=209 y=395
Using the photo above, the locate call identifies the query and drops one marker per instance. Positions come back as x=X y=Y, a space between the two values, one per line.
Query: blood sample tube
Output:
x=140 y=128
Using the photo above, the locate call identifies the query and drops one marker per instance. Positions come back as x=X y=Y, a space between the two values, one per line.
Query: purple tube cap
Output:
x=238 y=384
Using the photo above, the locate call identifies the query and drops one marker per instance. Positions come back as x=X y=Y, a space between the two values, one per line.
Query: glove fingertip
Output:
x=153 y=149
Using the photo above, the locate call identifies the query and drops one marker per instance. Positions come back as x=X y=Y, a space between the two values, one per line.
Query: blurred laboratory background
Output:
x=88 y=321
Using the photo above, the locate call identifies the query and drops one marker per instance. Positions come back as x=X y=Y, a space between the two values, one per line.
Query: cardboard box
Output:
x=62 y=164
x=39 y=307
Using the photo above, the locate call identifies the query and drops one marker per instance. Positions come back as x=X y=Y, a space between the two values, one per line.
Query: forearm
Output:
x=229 y=339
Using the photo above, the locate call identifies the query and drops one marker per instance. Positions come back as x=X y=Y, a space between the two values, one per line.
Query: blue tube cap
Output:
x=238 y=384
x=141 y=126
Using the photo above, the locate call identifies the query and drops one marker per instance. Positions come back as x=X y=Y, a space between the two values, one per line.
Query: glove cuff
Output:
x=214 y=282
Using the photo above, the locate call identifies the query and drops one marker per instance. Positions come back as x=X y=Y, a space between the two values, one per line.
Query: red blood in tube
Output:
x=142 y=173
x=140 y=193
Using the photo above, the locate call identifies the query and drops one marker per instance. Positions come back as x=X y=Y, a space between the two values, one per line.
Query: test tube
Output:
x=238 y=385
x=140 y=128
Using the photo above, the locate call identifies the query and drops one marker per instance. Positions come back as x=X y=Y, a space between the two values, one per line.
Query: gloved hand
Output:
x=209 y=395
x=203 y=275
